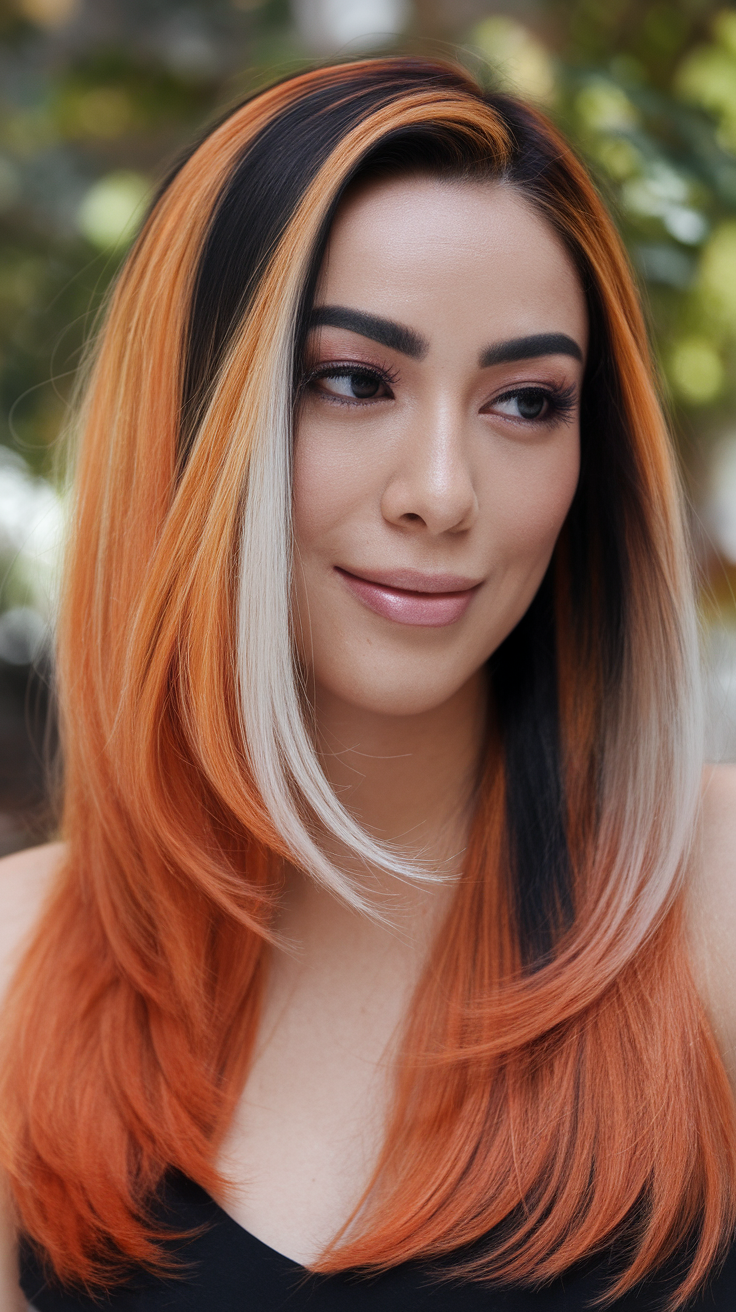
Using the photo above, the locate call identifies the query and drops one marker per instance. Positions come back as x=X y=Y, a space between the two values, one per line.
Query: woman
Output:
x=370 y=950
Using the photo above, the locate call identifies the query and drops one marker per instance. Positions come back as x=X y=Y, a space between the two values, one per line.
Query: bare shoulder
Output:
x=11 y=1298
x=24 y=880
x=712 y=906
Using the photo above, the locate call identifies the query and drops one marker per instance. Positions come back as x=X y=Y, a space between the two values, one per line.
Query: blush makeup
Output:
x=408 y=597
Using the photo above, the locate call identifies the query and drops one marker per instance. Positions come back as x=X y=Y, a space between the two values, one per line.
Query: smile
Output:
x=409 y=597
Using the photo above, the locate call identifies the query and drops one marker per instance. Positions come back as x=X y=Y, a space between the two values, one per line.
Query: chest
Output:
x=310 y=1123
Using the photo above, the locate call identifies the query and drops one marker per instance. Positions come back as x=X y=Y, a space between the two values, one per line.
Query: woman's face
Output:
x=437 y=444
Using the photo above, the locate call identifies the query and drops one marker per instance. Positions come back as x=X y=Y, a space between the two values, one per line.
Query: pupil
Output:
x=530 y=404
x=363 y=385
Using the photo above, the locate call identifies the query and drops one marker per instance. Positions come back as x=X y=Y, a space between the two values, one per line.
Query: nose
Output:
x=431 y=485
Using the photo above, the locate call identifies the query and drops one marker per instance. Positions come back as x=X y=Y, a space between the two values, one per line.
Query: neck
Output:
x=410 y=779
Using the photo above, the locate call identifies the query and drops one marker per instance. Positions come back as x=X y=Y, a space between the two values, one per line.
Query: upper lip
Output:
x=413 y=580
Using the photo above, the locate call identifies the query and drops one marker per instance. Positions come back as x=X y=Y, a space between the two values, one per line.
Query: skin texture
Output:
x=431 y=471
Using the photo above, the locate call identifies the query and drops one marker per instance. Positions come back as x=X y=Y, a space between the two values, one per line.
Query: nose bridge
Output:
x=432 y=480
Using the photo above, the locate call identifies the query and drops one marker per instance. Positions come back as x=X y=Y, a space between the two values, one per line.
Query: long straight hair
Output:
x=558 y=1083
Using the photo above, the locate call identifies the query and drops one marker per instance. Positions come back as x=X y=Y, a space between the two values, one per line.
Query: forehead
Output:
x=474 y=256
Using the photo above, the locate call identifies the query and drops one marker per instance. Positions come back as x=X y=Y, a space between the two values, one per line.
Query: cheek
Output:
x=528 y=500
x=328 y=514
x=327 y=489
x=523 y=493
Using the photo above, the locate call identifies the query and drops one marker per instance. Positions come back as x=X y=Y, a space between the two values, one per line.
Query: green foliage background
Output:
x=96 y=96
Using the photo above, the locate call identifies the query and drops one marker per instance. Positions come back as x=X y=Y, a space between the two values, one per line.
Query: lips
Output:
x=411 y=597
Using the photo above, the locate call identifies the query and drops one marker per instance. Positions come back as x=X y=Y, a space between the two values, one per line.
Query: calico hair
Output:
x=558 y=1081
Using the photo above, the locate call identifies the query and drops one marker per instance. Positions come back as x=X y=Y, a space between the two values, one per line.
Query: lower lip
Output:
x=431 y=610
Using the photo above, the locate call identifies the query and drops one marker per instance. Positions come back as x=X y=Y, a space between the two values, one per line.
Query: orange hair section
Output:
x=559 y=1106
x=615 y=1121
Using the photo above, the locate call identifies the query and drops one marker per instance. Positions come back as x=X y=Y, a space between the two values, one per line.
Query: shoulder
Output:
x=24 y=880
x=11 y=1298
x=715 y=865
x=711 y=906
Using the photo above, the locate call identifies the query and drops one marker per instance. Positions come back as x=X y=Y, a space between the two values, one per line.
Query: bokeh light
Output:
x=519 y=62
x=718 y=274
x=112 y=208
x=50 y=13
x=696 y=370
x=350 y=26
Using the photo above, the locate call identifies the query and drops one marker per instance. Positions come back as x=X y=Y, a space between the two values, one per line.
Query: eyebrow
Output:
x=529 y=348
x=394 y=335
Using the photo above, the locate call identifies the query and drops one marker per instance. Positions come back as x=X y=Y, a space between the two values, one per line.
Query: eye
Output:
x=535 y=405
x=350 y=384
x=527 y=403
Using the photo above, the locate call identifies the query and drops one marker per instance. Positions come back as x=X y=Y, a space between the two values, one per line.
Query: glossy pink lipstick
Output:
x=410 y=597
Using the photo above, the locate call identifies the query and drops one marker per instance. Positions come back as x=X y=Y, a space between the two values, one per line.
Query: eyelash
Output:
x=388 y=377
x=561 y=401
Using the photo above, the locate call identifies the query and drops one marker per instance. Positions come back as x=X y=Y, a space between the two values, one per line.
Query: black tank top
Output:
x=229 y=1270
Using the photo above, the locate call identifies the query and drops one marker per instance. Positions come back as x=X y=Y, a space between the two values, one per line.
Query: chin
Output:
x=382 y=691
